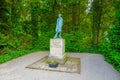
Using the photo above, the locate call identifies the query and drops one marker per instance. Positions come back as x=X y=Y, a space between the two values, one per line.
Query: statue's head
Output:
x=59 y=15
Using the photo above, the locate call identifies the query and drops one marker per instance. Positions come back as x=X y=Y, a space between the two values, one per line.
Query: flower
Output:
x=52 y=62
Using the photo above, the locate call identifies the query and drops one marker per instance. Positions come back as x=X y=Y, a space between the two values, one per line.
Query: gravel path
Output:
x=93 y=67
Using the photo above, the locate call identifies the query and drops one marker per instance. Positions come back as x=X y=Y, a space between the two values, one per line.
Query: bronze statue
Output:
x=59 y=27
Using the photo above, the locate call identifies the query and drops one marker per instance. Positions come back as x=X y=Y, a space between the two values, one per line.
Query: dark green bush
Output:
x=110 y=48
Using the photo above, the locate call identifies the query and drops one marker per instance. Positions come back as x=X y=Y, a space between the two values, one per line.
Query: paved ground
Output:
x=93 y=67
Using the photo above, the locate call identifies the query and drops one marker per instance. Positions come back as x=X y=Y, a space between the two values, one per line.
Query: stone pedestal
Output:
x=57 y=50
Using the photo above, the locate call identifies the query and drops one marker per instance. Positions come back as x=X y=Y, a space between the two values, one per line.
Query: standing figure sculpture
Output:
x=59 y=26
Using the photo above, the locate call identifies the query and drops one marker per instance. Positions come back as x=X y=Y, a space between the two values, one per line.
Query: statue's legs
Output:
x=56 y=35
x=59 y=35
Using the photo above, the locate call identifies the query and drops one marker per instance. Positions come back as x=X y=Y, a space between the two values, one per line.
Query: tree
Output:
x=97 y=12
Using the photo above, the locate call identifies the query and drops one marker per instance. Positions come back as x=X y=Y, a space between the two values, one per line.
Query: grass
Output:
x=14 y=54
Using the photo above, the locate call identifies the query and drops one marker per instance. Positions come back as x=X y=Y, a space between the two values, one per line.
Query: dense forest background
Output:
x=28 y=25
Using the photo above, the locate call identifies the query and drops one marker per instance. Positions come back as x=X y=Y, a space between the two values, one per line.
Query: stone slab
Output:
x=72 y=65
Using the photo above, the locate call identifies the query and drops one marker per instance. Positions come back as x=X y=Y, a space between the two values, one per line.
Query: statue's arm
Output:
x=56 y=25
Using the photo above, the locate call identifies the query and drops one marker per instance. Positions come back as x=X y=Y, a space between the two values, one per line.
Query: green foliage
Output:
x=77 y=42
x=111 y=55
x=14 y=54
x=111 y=47
x=114 y=37
x=42 y=42
x=3 y=39
x=3 y=43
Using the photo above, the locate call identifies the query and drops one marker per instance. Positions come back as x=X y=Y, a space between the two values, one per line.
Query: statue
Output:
x=59 y=26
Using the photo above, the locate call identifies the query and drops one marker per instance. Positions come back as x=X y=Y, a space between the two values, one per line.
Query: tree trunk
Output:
x=97 y=9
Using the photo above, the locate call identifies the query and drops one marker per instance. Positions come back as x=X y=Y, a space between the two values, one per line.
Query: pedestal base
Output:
x=57 y=50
